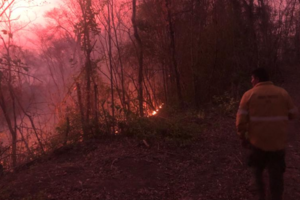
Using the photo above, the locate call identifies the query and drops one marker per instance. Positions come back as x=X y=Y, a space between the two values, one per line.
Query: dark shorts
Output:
x=274 y=163
x=267 y=159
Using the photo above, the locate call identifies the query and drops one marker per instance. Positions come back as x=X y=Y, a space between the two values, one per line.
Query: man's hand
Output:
x=245 y=143
x=244 y=140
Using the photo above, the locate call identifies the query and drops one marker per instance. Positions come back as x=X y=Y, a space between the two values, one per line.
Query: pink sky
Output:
x=26 y=11
x=33 y=10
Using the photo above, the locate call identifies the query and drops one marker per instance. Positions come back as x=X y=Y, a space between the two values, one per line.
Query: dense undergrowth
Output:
x=176 y=127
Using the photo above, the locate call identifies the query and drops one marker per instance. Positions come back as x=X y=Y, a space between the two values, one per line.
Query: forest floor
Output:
x=212 y=166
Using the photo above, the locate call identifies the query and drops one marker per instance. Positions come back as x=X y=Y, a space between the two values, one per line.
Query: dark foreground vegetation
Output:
x=208 y=164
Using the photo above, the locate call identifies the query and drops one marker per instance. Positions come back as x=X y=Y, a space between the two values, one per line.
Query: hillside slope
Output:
x=211 y=167
x=208 y=168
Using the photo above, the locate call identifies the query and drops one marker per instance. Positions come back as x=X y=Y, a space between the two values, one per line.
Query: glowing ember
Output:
x=156 y=110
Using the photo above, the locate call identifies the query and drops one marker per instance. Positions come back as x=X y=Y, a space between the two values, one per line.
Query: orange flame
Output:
x=154 y=112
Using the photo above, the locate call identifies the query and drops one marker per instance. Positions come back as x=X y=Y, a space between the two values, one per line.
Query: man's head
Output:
x=259 y=75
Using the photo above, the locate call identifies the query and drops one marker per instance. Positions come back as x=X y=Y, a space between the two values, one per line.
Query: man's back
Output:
x=263 y=113
x=268 y=109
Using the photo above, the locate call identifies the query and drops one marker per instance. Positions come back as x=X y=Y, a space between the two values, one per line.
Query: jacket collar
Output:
x=264 y=83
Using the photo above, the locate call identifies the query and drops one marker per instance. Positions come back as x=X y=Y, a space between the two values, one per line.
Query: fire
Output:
x=154 y=112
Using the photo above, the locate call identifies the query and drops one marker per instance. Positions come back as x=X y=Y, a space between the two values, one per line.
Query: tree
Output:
x=4 y=6
x=85 y=28
x=140 y=59
x=14 y=76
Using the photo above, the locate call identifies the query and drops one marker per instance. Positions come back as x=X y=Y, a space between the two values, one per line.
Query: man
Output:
x=262 y=121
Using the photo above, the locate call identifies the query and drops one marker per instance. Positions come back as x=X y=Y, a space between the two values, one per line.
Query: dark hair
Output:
x=261 y=74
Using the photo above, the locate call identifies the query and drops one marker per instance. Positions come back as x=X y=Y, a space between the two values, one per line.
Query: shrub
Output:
x=178 y=128
x=225 y=104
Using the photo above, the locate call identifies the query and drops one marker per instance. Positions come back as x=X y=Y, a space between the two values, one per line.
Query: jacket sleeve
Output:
x=242 y=116
x=292 y=109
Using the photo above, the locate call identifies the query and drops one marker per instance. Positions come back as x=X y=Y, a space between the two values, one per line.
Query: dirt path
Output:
x=213 y=167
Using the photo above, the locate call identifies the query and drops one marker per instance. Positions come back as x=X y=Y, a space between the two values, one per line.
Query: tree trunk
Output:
x=140 y=59
x=10 y=127
x=96 y=111
x=25 y=142
x=165 y=84
x=32 y=125
x=111 y=70
x=123 y=100
x=67 y=130
x=81 y=107
x=173 y=55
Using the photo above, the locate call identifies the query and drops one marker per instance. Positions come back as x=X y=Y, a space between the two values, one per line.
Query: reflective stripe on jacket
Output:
x=264 y=112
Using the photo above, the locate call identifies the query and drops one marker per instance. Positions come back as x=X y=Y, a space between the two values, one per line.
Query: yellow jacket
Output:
x=263 y=113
